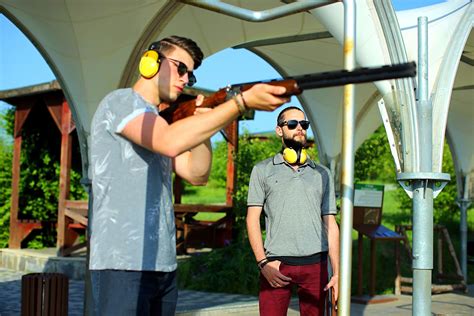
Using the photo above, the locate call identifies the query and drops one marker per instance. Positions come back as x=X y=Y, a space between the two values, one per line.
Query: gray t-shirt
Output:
x=133 y=225
x=293 y=202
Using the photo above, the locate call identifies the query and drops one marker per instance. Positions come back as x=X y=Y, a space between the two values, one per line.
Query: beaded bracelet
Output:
x=243 y=100
x=239 y=103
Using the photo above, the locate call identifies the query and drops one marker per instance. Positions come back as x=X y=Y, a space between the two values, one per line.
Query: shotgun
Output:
x=294 y=86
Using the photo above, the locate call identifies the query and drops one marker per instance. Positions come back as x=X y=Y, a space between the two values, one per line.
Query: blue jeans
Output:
x=127 y=293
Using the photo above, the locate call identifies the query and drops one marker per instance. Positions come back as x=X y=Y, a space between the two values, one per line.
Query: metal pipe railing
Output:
x=257 y=16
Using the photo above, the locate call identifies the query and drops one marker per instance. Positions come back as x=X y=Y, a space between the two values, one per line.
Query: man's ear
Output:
x=279 y=131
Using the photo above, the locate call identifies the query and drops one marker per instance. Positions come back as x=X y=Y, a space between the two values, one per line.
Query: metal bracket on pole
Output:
x=439 y=181
x=464 y=203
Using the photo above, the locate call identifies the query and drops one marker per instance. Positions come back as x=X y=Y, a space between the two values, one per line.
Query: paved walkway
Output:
x=213 y=304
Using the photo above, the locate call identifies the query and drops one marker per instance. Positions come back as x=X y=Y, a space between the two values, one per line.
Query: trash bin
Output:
x=44 y=294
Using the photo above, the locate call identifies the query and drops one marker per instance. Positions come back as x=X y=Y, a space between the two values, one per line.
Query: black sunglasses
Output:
x=292 y=124
x=182 y=70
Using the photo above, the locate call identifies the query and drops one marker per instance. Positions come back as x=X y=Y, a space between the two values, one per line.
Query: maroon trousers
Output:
x=310 y=281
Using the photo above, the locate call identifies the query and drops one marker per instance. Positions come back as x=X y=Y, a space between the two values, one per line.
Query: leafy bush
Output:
x=373 y=160
x=228 y=270
x=5 y=190
x=39 y=176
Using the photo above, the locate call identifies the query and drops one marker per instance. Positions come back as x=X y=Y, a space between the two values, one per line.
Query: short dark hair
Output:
x=170 y=43
x=280 y=118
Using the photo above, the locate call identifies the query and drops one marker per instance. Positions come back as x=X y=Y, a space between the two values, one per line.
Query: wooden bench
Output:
x=367 y=221
x=76 y=222
x=191 y=233
x=198 y=234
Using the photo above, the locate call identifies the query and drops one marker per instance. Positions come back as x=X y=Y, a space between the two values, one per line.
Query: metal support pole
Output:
x=464 y=204
x=423 y=189
x=423 y=186
x=347 y=180
x=422 y=246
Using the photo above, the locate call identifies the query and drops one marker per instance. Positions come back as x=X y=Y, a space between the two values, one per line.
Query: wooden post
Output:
x=360 y=260
x=397 y=269
x=232 y=146
x=65 y=237
x=177 y=189
x=440 y=251
x=17 y=232
x=373 y=266
x=15 y=238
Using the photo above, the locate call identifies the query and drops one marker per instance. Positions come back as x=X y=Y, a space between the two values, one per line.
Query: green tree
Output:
x=218 y=174
x=6 y=150
x=373 y=160
x=39 y=176
x=5 y=187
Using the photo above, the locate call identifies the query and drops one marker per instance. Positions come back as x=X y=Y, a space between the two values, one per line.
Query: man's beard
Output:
x=296 y=145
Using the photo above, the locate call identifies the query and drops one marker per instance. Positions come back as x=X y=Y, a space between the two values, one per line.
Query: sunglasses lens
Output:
x=292 y=124
x=304 y=124
x=182 y=69
x=191 y=79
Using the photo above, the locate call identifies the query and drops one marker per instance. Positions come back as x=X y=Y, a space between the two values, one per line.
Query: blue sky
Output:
x=21 y=65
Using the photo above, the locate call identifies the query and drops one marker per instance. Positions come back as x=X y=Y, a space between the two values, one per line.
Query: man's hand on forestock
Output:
x=271 y=272
x=264 y=97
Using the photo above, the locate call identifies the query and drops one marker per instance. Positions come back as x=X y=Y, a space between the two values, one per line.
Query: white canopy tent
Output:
x=93 y=47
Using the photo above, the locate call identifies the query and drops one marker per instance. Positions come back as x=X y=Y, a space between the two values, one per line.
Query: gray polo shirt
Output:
x=132 y=222
x=293 y=202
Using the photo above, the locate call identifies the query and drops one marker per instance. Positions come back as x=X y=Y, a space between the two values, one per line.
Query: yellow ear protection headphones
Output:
x=292 y=156
x=149 y=64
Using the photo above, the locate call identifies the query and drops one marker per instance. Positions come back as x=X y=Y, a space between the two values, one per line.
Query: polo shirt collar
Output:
x=278 y=159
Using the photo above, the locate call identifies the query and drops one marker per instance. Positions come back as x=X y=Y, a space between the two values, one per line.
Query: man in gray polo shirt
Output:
x=297 y=198
x=133 y=153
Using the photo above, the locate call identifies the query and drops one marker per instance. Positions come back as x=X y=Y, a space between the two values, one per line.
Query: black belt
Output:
x=301 y=261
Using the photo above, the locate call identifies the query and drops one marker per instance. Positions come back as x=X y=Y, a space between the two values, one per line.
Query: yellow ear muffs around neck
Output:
x=303 y=156
x=292 y=156
x=149 y=64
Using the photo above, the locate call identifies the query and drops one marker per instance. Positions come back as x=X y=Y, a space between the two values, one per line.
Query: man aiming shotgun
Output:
x=294 y=86
x=133 y=153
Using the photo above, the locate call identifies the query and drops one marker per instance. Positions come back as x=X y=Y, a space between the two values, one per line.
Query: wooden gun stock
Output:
x=296 y=85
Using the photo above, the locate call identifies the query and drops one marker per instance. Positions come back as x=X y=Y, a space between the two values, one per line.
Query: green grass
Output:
x=208 y=216
x=204 y=195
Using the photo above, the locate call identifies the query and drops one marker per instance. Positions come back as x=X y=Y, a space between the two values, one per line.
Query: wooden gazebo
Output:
x=72 y=216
